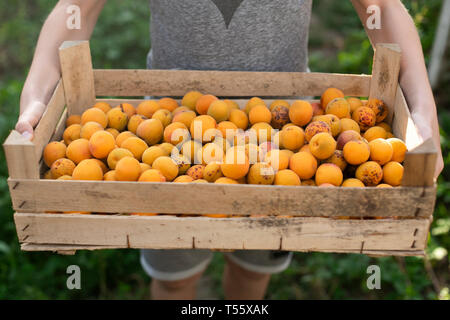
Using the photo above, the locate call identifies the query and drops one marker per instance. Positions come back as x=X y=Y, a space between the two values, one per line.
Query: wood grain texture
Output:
x=21 y=157
x=77 y=74
x=125 y=83
x=46 y=126
x=385 y=72
x=419 y=165
x=127 y=197
x=166 y=232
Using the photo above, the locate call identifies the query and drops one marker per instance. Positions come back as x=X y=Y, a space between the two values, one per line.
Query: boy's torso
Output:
x=255 y=35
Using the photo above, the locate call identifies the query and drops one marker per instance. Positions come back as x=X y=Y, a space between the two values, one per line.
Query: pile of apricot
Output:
x=339 y=141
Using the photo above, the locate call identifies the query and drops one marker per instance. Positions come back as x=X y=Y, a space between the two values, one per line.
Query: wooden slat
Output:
x=21 y=157
x=419 y=165
x=165 y=232
x=49 y=120
x=77 y=74
x=60 y=127
x=225 y=83
x=126 y=197
x=241 y=102
x=385 y=72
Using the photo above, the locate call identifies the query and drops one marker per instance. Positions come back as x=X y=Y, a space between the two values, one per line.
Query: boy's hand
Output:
x=29 y=118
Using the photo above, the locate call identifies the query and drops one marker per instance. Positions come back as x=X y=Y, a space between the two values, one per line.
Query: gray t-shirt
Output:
x=236 y=35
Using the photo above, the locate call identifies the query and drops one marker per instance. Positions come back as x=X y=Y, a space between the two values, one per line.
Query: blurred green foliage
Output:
x=337 y=44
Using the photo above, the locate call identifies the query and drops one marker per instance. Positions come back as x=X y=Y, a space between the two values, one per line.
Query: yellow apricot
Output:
x=225 y=180
x=203 y=128
x=261 y=173
x=365 y=117
x=277 y=103
x=316 y=127
x=185 y=117
x=144 y=167
x=375 y=133
x=190 y=150
x=164 y=116
x=228 y=129
x=73 y=119
x=110 y=176
x=176 y=133
x=339 y=107
x=134 y=122
x=355 y=103
x=236 y=164
x=104 y=106
x=231 y=104
x=183 y=179
x=350 y=124
x=278 y=159
x=113 y=131
x=196 y=172
x=322 y=145
x=356 y=152
x=329 y=95
x=168 y=103
x=379 y=108
x=252 y=103
x=263 y=131
x=124 y=136
x=338 y=159
x=72 y=133
x=212 y=172
x=203 y=103
x=151 y=154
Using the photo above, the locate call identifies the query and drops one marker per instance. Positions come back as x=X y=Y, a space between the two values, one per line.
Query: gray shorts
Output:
x=172 y=265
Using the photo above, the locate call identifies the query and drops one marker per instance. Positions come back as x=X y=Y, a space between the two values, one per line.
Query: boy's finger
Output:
x=25 y=129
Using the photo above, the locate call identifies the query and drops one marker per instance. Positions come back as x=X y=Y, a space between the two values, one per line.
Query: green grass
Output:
x=121 y=41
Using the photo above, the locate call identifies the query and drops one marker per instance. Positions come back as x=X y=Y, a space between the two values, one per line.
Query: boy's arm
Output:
x=397 y=26
x=45 y=70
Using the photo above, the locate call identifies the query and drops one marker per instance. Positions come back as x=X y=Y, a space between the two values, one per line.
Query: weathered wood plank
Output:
x=49 y=120
x=126 y=197
x=77 y=75
x=385 y=72
x=166 y=232
x=127 y=83
x=21 y=157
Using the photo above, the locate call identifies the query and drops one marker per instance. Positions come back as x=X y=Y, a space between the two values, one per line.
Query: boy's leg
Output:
x=247 y=272
x=174 y=273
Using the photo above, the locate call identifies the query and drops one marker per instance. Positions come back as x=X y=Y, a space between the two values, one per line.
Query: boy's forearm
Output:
x=45 y=70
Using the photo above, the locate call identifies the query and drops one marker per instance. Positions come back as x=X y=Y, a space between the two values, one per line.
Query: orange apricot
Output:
x=212 y=172
x=203 y=128
x=263 y=131
x=124 y=136
x=62 y=167
x=399 y=149
x=164 y=116
x=303 y=164
x=279 y=103
x=287 y=177
x=128 y=109
x=354 y=103
x=322 y=145
x=231 y=104
x=316 y=127
x=78 y=150
x=168 y=103
x=339 y=107
x=87 y=170
x=127 y=169
x=239 y=118
x=393 y=173
x=236 y=164
x=73 y=119
x=252 y=103
x=183 y=179
x=379 y=108
x=353 y=183
x=152 y=175
x=135 y=121
x=381 y=151
x=167 y=166
x=95 y=115
x=176 y=133
x=219 y=110
x=89 y=128
x=365 y=117
x=370 y=173
x=185 y=118
x=151 y=131
x=350 y=124
x=375 y=133
x=292 y=138
x=277 y=159
x=151 y=154
x=261 y=173
x=104 y=106
x=329 y=173
x=190 y=99
x=113 y=131
x=338 y=159
x=148 y=108
x=356 y=152
x=225 y=180
x=330 y=94
x=196 y=172
x=117 y=154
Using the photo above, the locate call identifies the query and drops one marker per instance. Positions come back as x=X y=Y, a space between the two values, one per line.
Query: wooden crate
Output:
x=316 y=226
